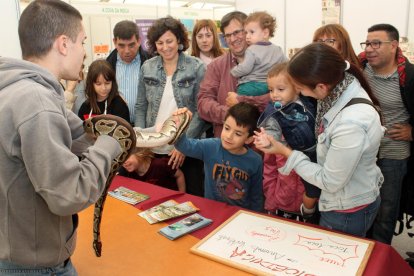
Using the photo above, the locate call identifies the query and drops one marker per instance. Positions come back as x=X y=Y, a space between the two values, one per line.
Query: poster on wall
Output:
x=264 y=245
x=331 y=12
x=189 y=25
x=143 y=26
x=100 y=51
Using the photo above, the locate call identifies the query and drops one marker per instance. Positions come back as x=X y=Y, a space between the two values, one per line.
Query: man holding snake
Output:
x=42 y=182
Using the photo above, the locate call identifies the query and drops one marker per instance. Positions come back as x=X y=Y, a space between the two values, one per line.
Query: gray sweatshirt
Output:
x=42 y=182
x=258 y=59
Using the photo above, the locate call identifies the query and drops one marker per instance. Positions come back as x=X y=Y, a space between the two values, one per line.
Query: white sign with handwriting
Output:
x=264 y=245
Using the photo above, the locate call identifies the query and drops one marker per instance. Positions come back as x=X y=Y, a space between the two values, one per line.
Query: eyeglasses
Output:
x=328 y=41
x=236 y=33
x=375 y=44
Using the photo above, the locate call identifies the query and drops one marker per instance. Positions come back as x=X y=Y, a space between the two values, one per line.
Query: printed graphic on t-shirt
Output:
x=230 y=182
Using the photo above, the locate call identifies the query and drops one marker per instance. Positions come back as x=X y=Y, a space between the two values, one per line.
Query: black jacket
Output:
x=112 y=58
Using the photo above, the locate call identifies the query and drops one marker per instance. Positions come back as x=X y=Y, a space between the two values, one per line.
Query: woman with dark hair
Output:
x=168 y=81
x=204 y=41
x=102 y=95
x=349 y=131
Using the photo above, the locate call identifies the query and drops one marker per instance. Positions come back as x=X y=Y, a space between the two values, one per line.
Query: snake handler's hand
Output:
x=268 y=144
x=176 y=159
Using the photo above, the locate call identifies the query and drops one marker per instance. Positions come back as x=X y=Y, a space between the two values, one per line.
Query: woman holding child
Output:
x=348 y=135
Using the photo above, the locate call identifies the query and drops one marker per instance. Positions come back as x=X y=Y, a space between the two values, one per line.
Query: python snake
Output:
x=128 y=138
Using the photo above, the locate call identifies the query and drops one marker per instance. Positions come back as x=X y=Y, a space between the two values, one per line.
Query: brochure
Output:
x=128 y=195
x=151 y=220
x=168 y=210
x=185 y=226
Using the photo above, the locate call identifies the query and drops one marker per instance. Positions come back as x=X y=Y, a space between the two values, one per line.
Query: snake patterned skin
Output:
x=123 y=132
x=128 y=138
x=170 y=131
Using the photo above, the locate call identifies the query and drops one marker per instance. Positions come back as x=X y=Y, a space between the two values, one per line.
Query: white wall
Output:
x=276 y=8
x=358 y=16
x=296 y=19
x=9 y=19
x=303 y=17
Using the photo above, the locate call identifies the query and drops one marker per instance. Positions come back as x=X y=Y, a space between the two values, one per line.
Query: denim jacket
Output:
x=296 y=121
x=346 y=171
x=185 y=81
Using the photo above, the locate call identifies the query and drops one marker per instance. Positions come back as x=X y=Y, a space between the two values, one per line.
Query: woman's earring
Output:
x=180 y=47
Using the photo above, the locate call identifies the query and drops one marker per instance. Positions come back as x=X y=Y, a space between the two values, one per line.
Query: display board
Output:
x=265 y=245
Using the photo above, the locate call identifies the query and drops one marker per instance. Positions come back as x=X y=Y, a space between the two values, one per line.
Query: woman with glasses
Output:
x=168 y=81
x=348 y=138
x=337 y=37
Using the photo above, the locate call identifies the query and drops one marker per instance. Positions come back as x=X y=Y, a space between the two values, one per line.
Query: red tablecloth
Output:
x=384 y=260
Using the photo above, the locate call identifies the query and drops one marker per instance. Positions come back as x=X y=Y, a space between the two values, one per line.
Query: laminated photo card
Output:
x=185 y=226
x=128 y=195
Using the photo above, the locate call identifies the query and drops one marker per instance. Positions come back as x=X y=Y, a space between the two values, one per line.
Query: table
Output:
x=131 y=246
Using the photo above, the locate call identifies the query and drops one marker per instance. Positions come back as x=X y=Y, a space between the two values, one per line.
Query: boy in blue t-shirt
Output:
x=233 y=171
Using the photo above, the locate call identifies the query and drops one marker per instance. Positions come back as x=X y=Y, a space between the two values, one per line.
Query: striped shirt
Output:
x=127 y=77
x=387 y=90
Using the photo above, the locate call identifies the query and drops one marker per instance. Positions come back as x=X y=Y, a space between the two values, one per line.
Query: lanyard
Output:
x=106 y=105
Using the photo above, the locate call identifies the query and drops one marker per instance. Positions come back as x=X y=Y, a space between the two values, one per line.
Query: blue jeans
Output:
x=63 y=269
x=384 y=224
x=356 y=223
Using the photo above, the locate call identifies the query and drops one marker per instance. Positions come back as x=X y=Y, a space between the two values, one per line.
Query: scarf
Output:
x=400 y=64
x=326 y=104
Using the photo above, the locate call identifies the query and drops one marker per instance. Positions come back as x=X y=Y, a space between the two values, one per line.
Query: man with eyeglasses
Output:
x=391 y=77
x=217 y=88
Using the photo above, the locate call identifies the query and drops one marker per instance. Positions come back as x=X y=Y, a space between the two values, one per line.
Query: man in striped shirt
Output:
x=391 y=77
x=126 y=60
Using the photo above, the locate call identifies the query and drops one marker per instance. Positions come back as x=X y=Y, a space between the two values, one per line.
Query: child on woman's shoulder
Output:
x=142 y=165
x=233 y=171
x=290 y=118
x=102 y=95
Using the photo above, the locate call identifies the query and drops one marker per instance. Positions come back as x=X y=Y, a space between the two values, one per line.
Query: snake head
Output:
x=88 y=126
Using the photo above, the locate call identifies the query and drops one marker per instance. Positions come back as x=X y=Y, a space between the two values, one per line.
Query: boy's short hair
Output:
x=245 y=115
x=277 y=69
x=42 y=21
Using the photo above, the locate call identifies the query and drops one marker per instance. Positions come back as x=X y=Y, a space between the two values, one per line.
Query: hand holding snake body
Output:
x=128 y=138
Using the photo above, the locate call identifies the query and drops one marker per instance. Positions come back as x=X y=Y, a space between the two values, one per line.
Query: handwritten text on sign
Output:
x=273 y=246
